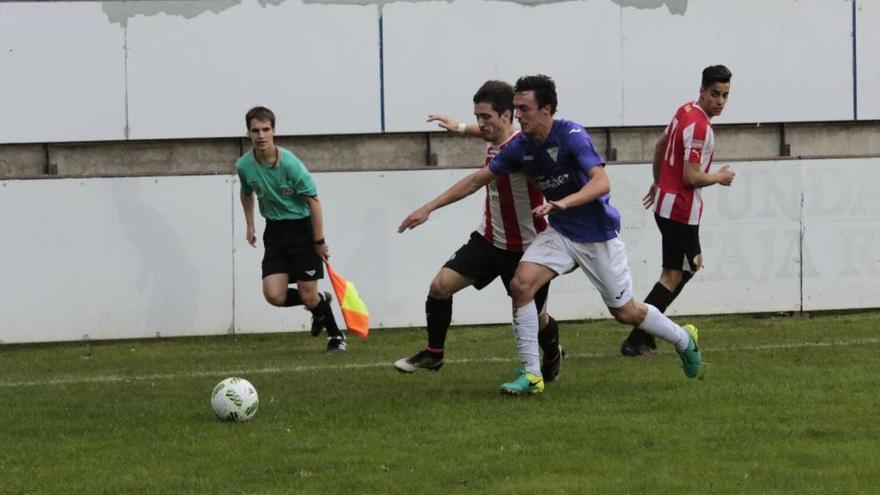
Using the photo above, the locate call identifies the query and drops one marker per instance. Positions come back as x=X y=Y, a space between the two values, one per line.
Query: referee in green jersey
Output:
x=294 y=235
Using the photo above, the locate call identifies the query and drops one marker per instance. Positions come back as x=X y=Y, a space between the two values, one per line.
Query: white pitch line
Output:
x=300 y=369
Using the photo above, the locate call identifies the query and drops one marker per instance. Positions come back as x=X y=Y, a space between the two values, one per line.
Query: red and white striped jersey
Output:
x=507 y=221
x=689 y=139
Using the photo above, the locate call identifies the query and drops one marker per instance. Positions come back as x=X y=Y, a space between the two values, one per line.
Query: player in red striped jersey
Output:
x=506 y=229
x=682 y=158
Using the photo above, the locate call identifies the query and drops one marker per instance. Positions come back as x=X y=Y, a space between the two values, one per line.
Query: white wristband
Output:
x=462 y=128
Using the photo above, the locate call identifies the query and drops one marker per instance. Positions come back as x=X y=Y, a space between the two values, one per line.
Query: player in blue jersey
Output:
x=583 y=230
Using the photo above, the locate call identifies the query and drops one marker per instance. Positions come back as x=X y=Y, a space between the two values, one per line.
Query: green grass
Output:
x=787 y=405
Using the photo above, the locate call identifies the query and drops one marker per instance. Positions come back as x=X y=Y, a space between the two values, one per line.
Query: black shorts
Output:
x=482 y=262
x=681 y=244
x=290 y=249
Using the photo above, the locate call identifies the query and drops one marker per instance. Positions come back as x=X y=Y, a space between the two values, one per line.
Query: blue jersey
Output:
x=560 y=166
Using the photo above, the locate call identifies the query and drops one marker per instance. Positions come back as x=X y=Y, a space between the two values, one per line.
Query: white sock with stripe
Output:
x=659 y=325
x=525 y=329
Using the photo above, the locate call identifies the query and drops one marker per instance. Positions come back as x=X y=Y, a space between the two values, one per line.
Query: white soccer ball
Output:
x=235 y=399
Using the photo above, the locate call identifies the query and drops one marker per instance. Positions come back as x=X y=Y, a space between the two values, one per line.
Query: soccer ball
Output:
x=235 y=399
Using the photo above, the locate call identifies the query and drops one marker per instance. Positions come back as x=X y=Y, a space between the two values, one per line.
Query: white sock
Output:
x=659 y=325
x=525 y=329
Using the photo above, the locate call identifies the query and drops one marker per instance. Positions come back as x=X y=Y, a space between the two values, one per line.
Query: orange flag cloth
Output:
x=354 y=311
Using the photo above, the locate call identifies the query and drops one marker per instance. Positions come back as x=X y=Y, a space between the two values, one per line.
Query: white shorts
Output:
x=604 y=263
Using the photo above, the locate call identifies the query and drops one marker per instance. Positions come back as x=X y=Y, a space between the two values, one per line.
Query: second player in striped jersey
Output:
x=682 y=158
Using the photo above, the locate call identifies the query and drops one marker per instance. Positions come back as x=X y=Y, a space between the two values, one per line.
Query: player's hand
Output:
x=444 y=122
x=727 y=175
x=648 y=199
x=414 y=219
x=249 y=235
x=548 y=208
x=323 y=251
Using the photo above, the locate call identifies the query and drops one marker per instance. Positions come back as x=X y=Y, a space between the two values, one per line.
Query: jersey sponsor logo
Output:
x=553 y=152
x=547 y=183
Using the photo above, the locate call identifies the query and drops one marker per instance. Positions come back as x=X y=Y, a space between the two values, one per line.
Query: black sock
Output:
x=323 y=312
x=548 y=339
x=438 y=313
x=685 y=277
x=660 y=297
x=293 y=298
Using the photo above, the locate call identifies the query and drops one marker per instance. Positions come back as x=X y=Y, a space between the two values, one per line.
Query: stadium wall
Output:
x=143 y=257
x=117 y=71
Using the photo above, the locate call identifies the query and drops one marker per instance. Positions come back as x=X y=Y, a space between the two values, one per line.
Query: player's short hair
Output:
x=716 y=74
x=544 y=88
x=499 y=94
x=259 y=113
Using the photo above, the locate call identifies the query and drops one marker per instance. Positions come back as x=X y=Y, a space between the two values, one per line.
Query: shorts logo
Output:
x=311 y=273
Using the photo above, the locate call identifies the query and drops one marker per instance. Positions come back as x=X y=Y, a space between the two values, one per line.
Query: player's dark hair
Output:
x=499 y=94
x=716 y=74
x=259 y=113
x=544 y=88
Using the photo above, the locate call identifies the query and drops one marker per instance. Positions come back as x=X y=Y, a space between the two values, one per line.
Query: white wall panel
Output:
x=316 y=66
x=62 y=73
x=841 y=234
x=115 y=258
x=139 y=257
x=749 y=235
x=791 y=59
x=437 y=54
x=868 y=39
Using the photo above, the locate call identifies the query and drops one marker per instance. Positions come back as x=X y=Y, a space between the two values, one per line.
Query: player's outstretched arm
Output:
x=460 y=190
x=453 y=125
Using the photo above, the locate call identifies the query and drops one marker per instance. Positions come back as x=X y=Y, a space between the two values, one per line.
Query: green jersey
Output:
x=280 y=188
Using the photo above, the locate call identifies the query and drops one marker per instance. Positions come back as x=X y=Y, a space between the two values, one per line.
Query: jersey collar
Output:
x=277 y=157
x=696 y=104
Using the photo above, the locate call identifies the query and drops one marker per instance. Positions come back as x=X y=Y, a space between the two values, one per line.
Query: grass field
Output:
x=787 y=405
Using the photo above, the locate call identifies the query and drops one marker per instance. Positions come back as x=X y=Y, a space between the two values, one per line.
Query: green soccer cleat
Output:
x=690 y=357
x=525 y=383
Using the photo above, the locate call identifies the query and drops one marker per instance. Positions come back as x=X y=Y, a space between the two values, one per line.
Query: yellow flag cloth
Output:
x=354 y=311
